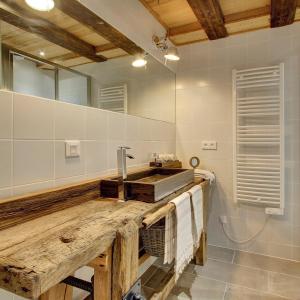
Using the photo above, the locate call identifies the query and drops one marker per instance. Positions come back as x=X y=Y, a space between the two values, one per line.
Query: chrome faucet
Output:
x=121 y=156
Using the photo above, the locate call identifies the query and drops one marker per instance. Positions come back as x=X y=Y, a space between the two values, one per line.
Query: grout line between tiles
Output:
x=225 y=291
x=233 y=256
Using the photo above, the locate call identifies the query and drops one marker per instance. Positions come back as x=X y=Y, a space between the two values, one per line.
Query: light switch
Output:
x=209 y=145
x=72 y=148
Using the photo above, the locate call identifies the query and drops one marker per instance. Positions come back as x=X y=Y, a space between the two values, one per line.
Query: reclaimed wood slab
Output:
x=38 y=254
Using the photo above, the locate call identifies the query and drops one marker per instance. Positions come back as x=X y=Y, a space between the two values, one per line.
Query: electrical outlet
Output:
x=209 y=145
x=223 y=219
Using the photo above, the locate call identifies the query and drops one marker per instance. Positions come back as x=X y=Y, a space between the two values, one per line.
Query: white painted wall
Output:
x=204 y=112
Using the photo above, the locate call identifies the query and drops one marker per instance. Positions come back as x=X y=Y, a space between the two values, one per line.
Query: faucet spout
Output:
x=121 y=156
x=122 y=167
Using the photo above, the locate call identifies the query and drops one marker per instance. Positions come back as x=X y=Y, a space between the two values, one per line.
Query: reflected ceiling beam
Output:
x=15 y=15
x=67 y=56
x=283 y=12
x=210 y=16
x=80 y=13
x=229 y=19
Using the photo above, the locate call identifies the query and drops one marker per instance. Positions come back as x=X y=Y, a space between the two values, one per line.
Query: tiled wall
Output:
x=32 y=142
x=204 y=112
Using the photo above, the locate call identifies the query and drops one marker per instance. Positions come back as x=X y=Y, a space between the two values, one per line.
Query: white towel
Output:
x=205 y=174
x=197 y=213
x=184 y=236
x=169 y=253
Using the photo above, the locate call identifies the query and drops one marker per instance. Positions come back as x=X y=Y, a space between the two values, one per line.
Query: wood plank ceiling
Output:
x=69 y=35
x=190 y=21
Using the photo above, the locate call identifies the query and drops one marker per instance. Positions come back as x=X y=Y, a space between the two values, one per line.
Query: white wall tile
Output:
x=6 y=105
x=70 y=121
x=5 y=163
x=33 y=161
x=4 y=295
x=68 y=167
x=116 y=126
x=96 y=124
x=5 y=193
x=133 y=128
x=206 y=113
x=33 y=187
x=96 y=156
x=33 y=117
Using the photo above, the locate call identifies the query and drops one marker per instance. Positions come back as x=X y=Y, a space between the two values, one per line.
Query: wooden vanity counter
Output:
x=40 y=249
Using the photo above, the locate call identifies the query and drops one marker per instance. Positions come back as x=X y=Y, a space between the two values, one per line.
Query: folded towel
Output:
x=197 y=213
x=169 y=253
x=184 y=237
x=205 y=174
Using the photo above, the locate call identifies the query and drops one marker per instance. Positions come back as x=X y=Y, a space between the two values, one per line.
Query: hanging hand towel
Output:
x=169 y=253
x=184 y=237
x=197 y=213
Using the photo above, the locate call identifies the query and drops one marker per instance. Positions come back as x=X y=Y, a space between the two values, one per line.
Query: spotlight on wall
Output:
x=172 y=54
x=139 y=61
x=41 y=5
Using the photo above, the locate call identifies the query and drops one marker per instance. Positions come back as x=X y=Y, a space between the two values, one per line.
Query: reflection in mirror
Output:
x=148 y=91
x=62 y=55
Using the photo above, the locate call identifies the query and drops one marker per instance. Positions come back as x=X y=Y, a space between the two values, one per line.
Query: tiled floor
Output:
x=236 y=275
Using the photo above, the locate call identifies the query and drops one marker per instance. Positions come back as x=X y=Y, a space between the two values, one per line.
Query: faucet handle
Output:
x=124 y=147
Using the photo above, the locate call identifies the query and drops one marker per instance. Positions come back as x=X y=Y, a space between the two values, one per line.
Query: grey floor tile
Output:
x=284 y=285
x=267 y=263
x=191 y=286
x=220 y=253
x=240 y=293
x=233 y=274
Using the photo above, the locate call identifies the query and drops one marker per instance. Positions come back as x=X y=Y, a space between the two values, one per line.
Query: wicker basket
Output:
x=154 y=240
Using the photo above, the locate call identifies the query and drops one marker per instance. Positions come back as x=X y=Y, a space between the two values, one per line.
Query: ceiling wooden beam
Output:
x=155 y=14
x=210 y=16
x=229 y=19
x=247 y=14
x=80 y=13
x=283 y=12
x=17 y=16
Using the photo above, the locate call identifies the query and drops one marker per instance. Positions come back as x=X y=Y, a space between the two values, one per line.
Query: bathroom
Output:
x=80 y=79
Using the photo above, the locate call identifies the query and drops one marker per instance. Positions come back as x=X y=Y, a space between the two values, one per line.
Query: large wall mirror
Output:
x=79 y=58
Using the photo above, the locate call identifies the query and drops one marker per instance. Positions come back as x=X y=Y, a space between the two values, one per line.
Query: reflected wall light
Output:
x=41 y=5
x=139 y=61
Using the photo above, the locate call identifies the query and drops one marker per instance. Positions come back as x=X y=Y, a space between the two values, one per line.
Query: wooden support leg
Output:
x=102 y=275
x=201 y=253
x=125 y=259
x=60 y=291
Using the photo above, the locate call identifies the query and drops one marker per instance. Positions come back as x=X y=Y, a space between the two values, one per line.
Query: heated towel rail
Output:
x=258 y=96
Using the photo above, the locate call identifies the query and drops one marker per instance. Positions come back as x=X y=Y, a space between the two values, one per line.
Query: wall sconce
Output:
x=170 y=53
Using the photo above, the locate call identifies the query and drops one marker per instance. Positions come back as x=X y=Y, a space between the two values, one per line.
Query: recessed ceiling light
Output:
x=139 y=61
x=172 y=54
x=41 y=5
x=42 y=53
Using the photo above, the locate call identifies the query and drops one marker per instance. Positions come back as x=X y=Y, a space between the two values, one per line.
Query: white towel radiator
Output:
x=258 y=99
x=113 y=98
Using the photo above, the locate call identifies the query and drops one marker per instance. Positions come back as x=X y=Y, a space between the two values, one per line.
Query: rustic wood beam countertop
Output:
x=38 y=253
